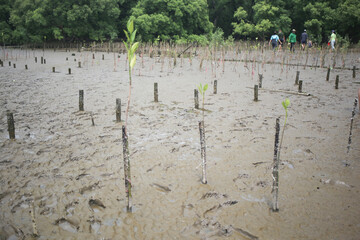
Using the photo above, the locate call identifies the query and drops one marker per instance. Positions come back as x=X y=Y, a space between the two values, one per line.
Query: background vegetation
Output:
x=36 y=21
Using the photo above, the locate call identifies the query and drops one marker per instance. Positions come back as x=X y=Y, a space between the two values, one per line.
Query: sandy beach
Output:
x=68 y=174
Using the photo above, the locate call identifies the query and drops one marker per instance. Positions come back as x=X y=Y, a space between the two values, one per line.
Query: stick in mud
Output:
x=354 y=71
x=42 y=60
x=14 y=65
x=2 y=63
x=260 y=80
x=297 y=77
x=103 y=57
x=351 y=125
x=337 y=82
x=11 y=125
x=275 y=170
x=53 y=69
x=118 y=110
x=35 y=59
x=81 y=100
x=69 y=71
x=9 y=64
x=203 y=151
x=328 y=74
x=196 y=98
x=79 y=64
x=127 y=175
x=26 y=67
x=256 y=93
x=92 y=119
x=215 y=86
x=156 y=92
x=300 y=86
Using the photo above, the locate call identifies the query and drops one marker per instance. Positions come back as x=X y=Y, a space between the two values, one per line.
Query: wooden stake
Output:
x=118 y=110
x=14 y=65
x=203 y=151
x=275 y=170
x=9 y=64
x=328 y=74
x=67 y=59
x=103 y=57
x=79 y=64
x=26 y=67
x=81 y=100
x=196 y=98
x=69 y=71
x=92 y=119
x=260 y=80
x=127 y=175
x=156 y=93
x=300 y=86
x=351 y=125
x=42 y=60
x=337 y=82
x=215 y=86
x=35 y=59
x=256 y=93
x=11 y=125
x=354 y=71
x=297 y=77
x=93 y=56
x=53 y=69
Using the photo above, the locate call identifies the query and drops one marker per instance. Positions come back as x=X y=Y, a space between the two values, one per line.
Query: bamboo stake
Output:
x=328 y=74
x=337 y=82
x=156 y=93
x=53 y=69
x=354 y=72
x=118 y=110
x=215 y=86
x=196 y=98
x=127 y=175
x=256 y=93
x=297 y=77
x=275 y=170
x=69 y=71
x=351 y=125
x=203 y=151
x=11 y=125
x=300 y=86
x=81 y=100
x=260 y=80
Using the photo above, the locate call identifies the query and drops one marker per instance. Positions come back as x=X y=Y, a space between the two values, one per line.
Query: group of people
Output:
x=278 y=39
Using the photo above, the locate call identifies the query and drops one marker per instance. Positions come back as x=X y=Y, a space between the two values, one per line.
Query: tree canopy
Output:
x=28 y=21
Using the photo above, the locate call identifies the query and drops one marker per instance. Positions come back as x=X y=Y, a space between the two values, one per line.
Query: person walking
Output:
x=292 y=40
x=282 y=39
x=274 y=39
x=304 y=38
x=333 y=39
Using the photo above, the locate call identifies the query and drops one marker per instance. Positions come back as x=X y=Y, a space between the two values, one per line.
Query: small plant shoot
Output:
x=202 y=90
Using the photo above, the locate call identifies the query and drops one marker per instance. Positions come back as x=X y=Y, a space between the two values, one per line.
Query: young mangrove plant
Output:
x=277 y=148
x=202 y=90
x=131 y=47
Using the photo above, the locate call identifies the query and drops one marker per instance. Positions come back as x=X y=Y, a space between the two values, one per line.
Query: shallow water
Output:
x=60 y=161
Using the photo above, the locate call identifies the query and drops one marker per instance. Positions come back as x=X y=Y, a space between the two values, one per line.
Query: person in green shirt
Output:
x=333 y=39
x=292 y=40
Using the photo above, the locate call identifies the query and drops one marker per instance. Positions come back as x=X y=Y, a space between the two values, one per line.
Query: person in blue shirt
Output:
x=274 y=40
x=304 y=38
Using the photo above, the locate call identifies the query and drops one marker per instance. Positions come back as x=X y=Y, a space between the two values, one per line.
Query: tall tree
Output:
x=171 y=19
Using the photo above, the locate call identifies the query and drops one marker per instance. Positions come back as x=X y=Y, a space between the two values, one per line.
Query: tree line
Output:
x=37 y=21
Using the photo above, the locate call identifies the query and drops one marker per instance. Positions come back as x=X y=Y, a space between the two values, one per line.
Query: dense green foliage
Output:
x=27 y=21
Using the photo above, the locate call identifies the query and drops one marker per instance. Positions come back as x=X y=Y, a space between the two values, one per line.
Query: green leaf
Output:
x=127 y=35
x=132 y=37
x=126 y=46
x=205 y=87
x=286 y=103
x=133 y=48
x=130 y=26
x=132 y=62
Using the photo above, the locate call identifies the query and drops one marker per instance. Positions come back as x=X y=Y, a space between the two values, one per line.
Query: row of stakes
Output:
x=275 y=172
x=43 y=61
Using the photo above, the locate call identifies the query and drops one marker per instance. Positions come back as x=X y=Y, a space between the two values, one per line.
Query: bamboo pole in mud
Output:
x=337 y=82
x=92 y=119
x=69 y=71
x=26 y=67
x=297 y=77
x=260 y=80
x=203 y=151
x=53 y=69
x=42 y=60
x=2 y=63
x=11 y=125
x=35 y=59
x=9 y=64
x=103 y=57
x=14 y=65
x=196 y=98
x=256 y=93
x=127 y=175
x=215 y=86
x=300 y=86
x=81 y=100
x=118 y=110
x=354 y=71
x=275 y=169
x=351 y=125
x=79 y=63
x=328 y=74
x=156 y=92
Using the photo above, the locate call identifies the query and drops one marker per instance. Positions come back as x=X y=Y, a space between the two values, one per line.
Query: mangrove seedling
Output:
x=202 y=90
x=131 y=48
x=285 y=105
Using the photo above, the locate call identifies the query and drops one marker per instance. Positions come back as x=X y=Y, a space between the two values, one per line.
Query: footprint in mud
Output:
x=67 y=225
x=96 y=205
